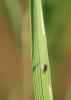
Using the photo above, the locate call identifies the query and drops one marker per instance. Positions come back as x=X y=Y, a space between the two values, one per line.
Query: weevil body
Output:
x=44 y=67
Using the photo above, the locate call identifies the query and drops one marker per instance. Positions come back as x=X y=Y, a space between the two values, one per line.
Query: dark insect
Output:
x=44 y=67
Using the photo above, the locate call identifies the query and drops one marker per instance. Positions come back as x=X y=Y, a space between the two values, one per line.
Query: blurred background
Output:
x=57 y=18
x=16 y=77
x=15 y=71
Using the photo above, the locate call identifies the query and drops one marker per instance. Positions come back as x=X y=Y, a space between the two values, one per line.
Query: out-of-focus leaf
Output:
x=55 y=16
x=13 y=13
